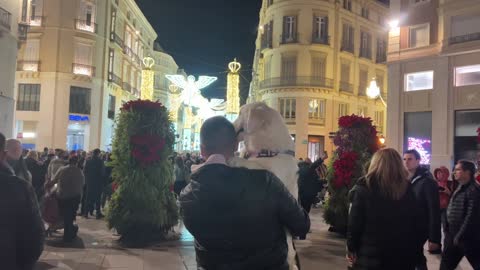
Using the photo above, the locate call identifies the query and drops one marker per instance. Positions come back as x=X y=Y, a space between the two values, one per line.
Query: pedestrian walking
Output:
x=21 y=227
x=181 y=174
x=38 y=172
x=445 y=191
x=383 y=233
x=16 y=161
x=428 y=202
x=463 y=220
x=95 y=181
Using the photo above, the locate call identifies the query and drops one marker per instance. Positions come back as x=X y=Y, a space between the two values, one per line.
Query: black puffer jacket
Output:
x=238 y=216
x=382 y=232
x=21 y=228
x=463 y=214
x=428 y=201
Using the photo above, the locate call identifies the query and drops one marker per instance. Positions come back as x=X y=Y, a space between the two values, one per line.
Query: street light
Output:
x=373 y=92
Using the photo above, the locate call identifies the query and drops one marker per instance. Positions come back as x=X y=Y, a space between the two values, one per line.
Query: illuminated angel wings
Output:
x=181 y=82
x=204 y=81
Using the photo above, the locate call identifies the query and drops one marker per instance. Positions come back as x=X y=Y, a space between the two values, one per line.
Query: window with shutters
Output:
x=31 y=56
x=36 y=12
x=289 y=29
x=86 y=16
x=381 y=51
x=362 y=82
x=379 y=120
x=347 y=4
x=362 y=111
x=28 y=98
x=289 y=68
x=380 y=81
x=345 y=77
x=267 y=67
x=267 y=36
x=288 y=107
x=348 y=35
x=80 y=100
x=82 y=64
x=419 y=35
x=113 y=21
x=128 y=37
x=111 y=107
x=365 y=45
x=365 y=13
x=343 y=109
x=320 y=30
x=319 y=67
x=317 y=110
x=111 y=59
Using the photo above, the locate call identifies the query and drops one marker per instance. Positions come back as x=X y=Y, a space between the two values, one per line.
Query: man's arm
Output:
x=291 y=214
x=31 y=236
x=472 y=201
x=433 y=203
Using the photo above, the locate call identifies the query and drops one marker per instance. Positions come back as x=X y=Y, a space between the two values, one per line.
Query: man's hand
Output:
x=433 y=246
x=351 y=259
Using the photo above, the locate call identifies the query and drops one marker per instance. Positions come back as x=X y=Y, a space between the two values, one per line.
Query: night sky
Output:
x=203 y=36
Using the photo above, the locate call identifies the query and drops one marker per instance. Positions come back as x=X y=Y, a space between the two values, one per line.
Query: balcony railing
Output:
x=346 y=87
x=321 y=40
x=366 y=53
x=23 y=31
x=85 y=70
x=464 y=38
x=348 y=47
x=35 y=20
x=128 y=51
x=297 y=81
x=127 y=87
x=28 y=65
x=117 y=39
x=381 y=57
x=289 y=39
x=5 y=18
x=87 y=26
x=316 y=120
x=115 y=79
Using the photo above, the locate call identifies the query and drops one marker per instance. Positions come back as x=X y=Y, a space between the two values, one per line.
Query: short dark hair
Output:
x=468 y=166
x=413 y=152
x=96 y=152
x=2 y=142
x=217 y=134
x=73 y=160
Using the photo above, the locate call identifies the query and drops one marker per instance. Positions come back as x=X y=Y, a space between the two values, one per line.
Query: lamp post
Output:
x=373 y=92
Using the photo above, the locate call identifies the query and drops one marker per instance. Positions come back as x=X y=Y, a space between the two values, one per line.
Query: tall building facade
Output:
x=434 y=79
x=9 y=29
x=164 y=65
x=80 y=61
x=314 y=61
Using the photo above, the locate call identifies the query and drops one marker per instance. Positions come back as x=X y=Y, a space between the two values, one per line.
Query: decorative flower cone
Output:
x=143 y=208
x=356 y=143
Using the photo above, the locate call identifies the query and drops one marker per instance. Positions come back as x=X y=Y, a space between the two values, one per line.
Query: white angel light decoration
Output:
x=191 y=94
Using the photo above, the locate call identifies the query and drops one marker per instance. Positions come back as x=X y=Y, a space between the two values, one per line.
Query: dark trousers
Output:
x=83 y=207
x=68 y=208
x=94 y=201
x=306 y=203
x=452 y=255
x=421 y=263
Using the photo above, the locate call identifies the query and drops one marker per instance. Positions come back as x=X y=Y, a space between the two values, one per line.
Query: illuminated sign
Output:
x=78 y=118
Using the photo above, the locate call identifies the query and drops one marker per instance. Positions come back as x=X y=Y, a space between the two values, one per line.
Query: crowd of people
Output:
x=238 y=215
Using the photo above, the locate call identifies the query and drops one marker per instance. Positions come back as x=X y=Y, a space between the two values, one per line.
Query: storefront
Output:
x=466 y=145
x=418 y=134
x=78 y=132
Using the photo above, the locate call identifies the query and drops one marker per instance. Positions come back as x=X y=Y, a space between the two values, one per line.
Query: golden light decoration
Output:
x=233 y=88
x=147 y=84
x=174 y=100
x=188 y=117
x=148 y=62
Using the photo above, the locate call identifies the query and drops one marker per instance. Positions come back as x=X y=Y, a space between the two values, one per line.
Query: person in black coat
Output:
x=382 y=229
x=309 y=184
x=237 y=215
x=462 y=236
x=38 y=172
x=21 y=227
x=95 y=181
x=428 y=201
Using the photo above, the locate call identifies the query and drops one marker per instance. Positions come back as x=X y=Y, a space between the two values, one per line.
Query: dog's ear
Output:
x=258 y=117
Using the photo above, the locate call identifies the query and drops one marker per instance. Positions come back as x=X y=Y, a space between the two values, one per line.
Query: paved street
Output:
x=97 y=250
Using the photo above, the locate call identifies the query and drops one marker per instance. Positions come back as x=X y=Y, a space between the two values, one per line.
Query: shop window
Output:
x=467 y=75
x=418 y=134
x=80 y=100
x=419 y=81
x=466 y=138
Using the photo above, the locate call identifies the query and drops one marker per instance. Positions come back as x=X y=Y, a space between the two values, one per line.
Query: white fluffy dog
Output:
x=262 y=130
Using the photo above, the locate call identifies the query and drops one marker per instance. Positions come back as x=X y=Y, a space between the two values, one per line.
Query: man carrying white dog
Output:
x=237 y=215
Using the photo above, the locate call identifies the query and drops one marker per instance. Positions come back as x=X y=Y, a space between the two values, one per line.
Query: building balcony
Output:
x=5 y=19
x=319 y=121
x=464 y=38
x=289 y=39
x=81 y=69
x=346 y=47
x=127 y=87
x=114 y=37
x=115 y=79
x=381 y=58
x=135 y=58
x=321 y=40
x=297 y=81
x=87 y=26
x=33 y=66
x=346 y=87
x=36 y=20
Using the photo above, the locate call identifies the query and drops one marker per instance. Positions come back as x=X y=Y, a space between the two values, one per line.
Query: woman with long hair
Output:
x=382 y=232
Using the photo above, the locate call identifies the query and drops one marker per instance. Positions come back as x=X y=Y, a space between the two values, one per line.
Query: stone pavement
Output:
x=96 y=249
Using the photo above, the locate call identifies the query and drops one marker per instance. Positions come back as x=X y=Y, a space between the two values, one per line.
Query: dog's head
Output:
x=262 y=128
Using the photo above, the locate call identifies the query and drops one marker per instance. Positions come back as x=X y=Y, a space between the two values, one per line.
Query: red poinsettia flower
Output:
x=353 y=121
x=141 y=105
x=344 y=167
x=146 y=149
